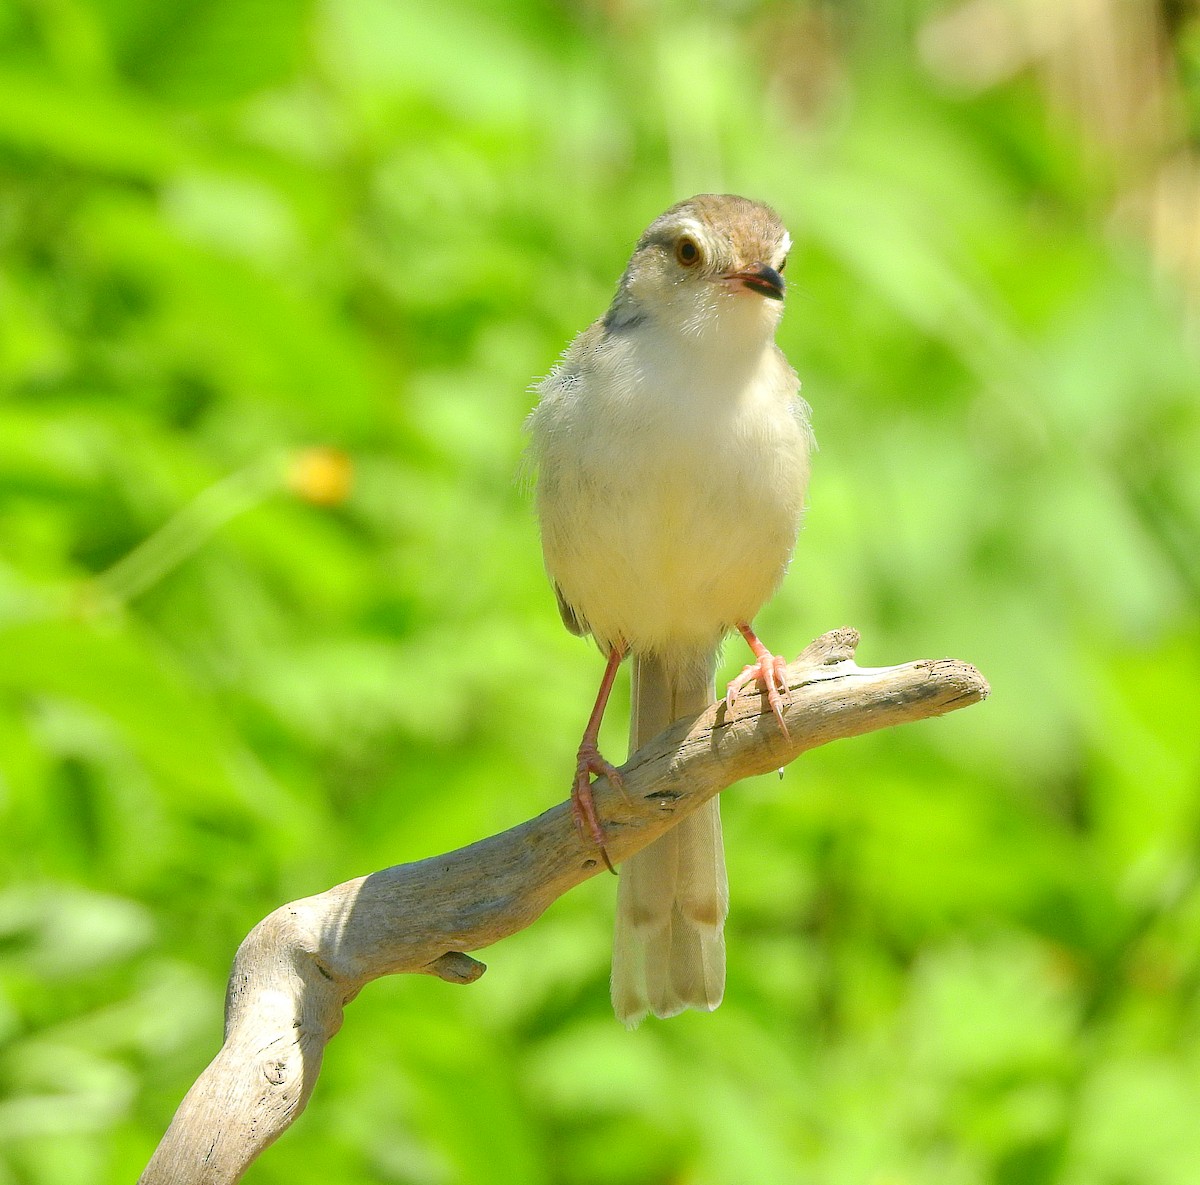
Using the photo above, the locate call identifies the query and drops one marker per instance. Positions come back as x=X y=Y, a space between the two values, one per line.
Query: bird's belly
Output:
x=671 y=560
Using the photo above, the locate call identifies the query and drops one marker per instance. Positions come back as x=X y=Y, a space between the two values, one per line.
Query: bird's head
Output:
x=713 y=260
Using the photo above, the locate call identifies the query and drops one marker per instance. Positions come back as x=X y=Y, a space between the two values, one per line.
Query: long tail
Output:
x=669 y=946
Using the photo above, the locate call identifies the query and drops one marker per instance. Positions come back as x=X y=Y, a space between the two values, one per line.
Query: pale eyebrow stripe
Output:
x=665 y=237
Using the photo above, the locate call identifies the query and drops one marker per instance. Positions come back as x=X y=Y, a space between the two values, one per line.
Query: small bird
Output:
x=672 y=455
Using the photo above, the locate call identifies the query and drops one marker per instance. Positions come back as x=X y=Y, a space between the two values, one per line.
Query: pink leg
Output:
x=768 y=669
x=589 y=760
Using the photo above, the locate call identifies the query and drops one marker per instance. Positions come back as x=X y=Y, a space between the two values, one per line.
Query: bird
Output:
x=671 y=447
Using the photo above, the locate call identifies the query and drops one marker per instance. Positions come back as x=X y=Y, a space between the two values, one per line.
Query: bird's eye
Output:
x=687 y=252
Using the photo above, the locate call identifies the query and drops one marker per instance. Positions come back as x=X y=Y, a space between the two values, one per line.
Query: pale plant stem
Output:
x=185 y=532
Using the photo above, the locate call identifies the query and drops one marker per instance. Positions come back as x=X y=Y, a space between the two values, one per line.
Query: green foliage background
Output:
x=235 y=230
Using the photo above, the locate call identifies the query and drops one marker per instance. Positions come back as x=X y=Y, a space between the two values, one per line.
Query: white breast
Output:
x=671 y=481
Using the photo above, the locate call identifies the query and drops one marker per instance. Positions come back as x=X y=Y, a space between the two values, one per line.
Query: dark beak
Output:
x=760 y=278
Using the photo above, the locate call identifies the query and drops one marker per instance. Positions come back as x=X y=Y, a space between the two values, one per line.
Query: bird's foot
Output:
x=771 y=671
x=583 y=805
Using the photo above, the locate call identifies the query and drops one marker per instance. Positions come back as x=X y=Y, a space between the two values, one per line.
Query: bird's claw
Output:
x=583 y=804
x=771 y=671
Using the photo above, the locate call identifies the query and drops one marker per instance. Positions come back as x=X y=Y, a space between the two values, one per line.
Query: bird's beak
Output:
x=760 y=278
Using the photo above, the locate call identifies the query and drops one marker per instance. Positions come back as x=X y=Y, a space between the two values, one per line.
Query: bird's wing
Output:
x=571 y=619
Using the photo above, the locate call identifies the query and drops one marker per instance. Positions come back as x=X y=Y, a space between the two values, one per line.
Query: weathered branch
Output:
x=300 y=966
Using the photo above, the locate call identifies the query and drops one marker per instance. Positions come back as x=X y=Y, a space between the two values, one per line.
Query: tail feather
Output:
x=669 y=946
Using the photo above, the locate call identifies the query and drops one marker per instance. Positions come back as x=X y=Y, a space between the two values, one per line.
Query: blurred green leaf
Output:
x=101 y=130
x=172 y=727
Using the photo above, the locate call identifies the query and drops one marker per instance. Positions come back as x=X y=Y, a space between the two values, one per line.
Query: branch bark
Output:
x=299 y=967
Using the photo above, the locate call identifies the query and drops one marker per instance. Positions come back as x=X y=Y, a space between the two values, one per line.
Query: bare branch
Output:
x=300 y=966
